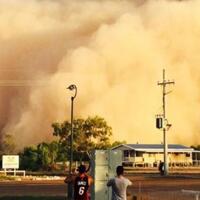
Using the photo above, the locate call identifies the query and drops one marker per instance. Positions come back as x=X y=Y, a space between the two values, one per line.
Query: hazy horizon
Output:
x=114 y=51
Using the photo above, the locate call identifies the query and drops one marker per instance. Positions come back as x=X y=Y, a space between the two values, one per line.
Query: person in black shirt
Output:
x=81 y=183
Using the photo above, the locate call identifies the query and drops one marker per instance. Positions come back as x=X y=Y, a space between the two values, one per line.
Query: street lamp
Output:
x=70 y=185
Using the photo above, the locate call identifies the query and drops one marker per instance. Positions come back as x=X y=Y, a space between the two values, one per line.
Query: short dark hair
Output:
x=119 y=170
x=82 y=169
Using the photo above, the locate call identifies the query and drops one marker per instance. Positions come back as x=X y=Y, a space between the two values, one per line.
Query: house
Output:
x=151 y=154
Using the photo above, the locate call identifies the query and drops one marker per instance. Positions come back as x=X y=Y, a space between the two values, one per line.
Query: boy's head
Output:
x=82 y=169
x=119 y=170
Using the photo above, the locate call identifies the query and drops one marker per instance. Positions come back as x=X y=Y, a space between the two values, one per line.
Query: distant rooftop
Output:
x=154 y=147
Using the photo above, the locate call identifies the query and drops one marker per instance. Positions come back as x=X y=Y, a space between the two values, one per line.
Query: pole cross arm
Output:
x=166 y=82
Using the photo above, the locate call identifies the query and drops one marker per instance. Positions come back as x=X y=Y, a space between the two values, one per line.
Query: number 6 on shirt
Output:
x=81 y=190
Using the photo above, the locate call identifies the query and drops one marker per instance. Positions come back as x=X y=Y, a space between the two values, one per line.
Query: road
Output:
x=141 y=183
x=33 y=188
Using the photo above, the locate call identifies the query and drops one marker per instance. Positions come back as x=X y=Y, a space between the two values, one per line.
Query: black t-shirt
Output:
x=81 y=187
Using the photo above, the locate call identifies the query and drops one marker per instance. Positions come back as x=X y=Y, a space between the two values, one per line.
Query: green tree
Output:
x=29 y=159
x=197 y=147
x=53 y=151
x=92 y=133
x=41 y=157
x=116 y=143
x=62 y=152
x=44 y=158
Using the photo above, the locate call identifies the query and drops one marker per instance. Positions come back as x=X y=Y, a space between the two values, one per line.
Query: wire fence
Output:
x=166 y=195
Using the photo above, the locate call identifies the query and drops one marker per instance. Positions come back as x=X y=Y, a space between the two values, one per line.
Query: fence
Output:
x=14 y=172
x=167 y=195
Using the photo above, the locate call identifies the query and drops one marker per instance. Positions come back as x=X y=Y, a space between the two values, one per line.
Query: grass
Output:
x=8 y=178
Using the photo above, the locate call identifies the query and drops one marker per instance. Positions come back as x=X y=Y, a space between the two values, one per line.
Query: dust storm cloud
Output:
x=114 y=51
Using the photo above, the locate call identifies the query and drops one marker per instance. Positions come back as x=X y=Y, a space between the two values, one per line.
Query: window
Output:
x=132 y=153
x=187 y=154
x=126 y=153
x=139 y=154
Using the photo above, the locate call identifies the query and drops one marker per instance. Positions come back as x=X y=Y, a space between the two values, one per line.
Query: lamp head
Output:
x=71 y=87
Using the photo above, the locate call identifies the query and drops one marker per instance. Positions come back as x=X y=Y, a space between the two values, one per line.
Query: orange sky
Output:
x=114 y=51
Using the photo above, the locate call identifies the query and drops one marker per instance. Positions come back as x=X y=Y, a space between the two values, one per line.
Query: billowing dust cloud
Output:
x=114 y=51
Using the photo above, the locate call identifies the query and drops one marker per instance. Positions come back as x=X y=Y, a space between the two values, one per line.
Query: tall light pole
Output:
x=165 y=126
x=70 y=185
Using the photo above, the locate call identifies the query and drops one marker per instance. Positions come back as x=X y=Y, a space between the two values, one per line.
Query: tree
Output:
x=7 y=144
x=92 y=133
x=29 y=159
x=43 y=155
x=197 y=147
x=53 y=152
x=117 y=143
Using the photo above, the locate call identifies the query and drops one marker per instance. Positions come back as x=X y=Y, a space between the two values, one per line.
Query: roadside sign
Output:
x=10 y=161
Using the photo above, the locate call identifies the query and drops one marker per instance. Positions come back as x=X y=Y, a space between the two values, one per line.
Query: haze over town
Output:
x=114 y=51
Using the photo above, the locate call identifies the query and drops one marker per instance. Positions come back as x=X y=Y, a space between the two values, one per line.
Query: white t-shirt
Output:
x=119 y=185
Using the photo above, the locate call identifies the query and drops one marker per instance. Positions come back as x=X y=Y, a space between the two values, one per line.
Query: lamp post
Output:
x=70 y=185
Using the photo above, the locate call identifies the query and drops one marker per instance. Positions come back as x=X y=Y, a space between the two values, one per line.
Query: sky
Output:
x=115 y=52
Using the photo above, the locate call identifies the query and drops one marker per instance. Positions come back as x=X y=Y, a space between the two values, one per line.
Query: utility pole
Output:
x=165 y=126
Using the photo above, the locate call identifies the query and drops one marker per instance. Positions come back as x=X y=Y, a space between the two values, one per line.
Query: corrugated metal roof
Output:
x=155 y=147
x=196 y=151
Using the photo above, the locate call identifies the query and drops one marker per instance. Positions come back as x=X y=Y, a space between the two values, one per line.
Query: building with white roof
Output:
x=151 y=154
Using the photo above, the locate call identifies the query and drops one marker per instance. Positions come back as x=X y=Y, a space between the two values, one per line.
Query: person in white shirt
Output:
x=119 y=184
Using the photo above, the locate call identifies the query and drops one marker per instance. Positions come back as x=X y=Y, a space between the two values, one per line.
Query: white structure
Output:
x=151 y=154
x=104 y=163
x=10 y=164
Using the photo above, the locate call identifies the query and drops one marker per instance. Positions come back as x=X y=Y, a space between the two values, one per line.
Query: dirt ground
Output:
x=157 y=187
x=159 y=183
x=147 y=186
